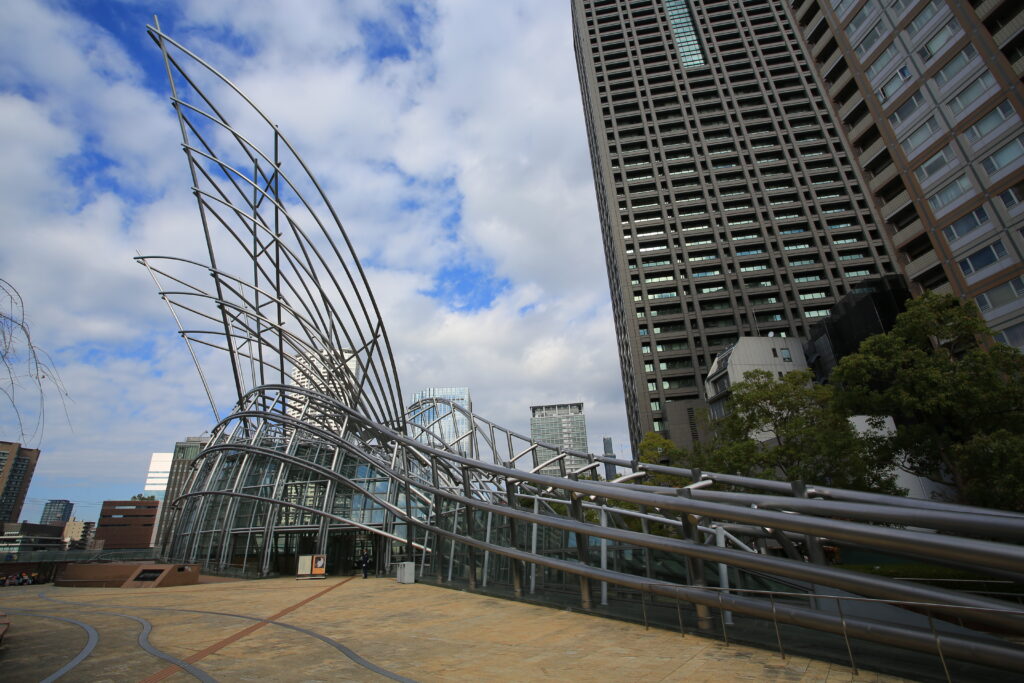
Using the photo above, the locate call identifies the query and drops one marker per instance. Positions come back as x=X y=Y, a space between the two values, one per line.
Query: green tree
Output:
x=958 y=406
x=142 y=496
x=789 y=428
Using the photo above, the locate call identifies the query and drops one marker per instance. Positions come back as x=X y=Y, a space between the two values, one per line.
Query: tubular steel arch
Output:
x=318 y=455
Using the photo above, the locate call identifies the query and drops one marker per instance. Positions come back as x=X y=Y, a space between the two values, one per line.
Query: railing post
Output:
x=517 y=567
x=846 y=638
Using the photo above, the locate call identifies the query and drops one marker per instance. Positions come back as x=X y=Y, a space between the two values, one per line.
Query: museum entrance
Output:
x=344 y=548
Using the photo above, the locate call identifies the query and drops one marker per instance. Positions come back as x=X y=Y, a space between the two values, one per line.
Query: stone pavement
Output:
x=345 y=629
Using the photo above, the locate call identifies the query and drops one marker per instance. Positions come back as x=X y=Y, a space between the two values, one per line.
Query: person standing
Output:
x=364 y=562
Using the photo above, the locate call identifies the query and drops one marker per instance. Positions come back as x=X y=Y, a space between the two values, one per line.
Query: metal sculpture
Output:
x=318 y=454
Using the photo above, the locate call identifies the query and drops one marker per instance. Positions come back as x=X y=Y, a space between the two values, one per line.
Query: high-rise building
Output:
x=562 y=425
x=442 y=422
x=16 y=467
x=729 y=197
x=78 y=534
x=56 y=512
x=929 y=93
x=156 y=485
x=334 y=373
x=185 y=453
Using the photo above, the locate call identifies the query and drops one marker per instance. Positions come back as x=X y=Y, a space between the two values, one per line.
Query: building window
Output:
x=1012 y=336
x=955 y=66
x=907 y=109
x=972 y=93
x=681 y=21
x=860 y=18
x=950 y=193
x=869 y=40
x=881 y=62
x=1011 y=197
x=935 y=164
x=919 y=136
x=966 y=225
x=787 y=355
x=1004 y=294
x=936 y=42
x=893 y=85
x=1004 y=156
x=922 y=18
x=990 y=121
x=983 y=258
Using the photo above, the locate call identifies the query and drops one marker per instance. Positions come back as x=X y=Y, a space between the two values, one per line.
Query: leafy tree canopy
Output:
x=791 y=429
x=958 y=406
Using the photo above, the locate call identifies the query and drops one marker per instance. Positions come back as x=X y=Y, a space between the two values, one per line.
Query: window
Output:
x=1012 y=336
x=1004 y=294
x=690 y=53
x=950 y=193
x=935 y=164
x=919 y=136
x=1004 y=156
x=860 y=18
x=990 y=121
x=881 y=62
x=955 y=66
x=787 y=355
x=869 y=41
x=935 y=43
x=906 y=110
x=893 y=85
x=983 y=258
x=926 y=13
x=971 y=93
x=1012 y=197
x=966 y=225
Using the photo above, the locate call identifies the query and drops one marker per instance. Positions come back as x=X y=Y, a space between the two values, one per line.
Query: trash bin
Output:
x=406 y=572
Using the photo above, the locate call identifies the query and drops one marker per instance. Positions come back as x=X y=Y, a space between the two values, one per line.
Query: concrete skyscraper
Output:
x=563 y=424
x=17 y=465
x=929 y=93
x=729 y=201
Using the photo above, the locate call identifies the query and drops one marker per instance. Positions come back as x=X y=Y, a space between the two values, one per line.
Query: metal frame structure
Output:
x=318 y=447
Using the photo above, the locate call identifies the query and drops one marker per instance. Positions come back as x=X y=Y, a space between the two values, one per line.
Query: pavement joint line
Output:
x=172 y=669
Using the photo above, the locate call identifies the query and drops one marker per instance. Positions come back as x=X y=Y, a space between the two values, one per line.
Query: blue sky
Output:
x=452 y=148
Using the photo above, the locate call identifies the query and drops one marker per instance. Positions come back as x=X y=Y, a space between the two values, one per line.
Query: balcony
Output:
x=921 y=264
x=895 y=204
x=887 y=174
x=850 y=105
x=871 y=152
x=908 y=233
x=839 y=84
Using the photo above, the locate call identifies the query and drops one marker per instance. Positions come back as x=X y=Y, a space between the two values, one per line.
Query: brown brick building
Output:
x=127 y=523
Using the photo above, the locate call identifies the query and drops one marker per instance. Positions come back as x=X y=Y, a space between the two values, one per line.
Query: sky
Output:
x=450 y=138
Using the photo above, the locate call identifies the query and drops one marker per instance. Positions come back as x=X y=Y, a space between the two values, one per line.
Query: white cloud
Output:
x=483 y=119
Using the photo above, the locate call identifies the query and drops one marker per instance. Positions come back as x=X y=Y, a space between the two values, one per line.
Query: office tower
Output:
x=441 y=421
x=185 y=453
x=156 y=485
x=929 y=94
x=334 y=373
x=126 y=523
x=56 y=512
x=728 y=200
x=562 y=425
x=16 y=467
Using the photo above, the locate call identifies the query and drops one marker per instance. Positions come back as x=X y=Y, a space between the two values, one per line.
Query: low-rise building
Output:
x=127 y=523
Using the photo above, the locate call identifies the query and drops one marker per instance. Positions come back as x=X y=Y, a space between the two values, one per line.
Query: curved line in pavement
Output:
x=144 y=643
x=329 y=641
x=90 y=644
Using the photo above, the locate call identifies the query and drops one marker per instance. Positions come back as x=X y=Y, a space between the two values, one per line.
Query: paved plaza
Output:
x=350 y=629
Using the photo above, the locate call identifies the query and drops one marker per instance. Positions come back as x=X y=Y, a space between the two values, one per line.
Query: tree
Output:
x=789 y=428
x=25 y=365
x=657 y=450
x=142 y=496
x=958 y=405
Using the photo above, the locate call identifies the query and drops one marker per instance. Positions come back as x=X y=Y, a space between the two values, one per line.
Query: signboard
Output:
x=312 y=567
